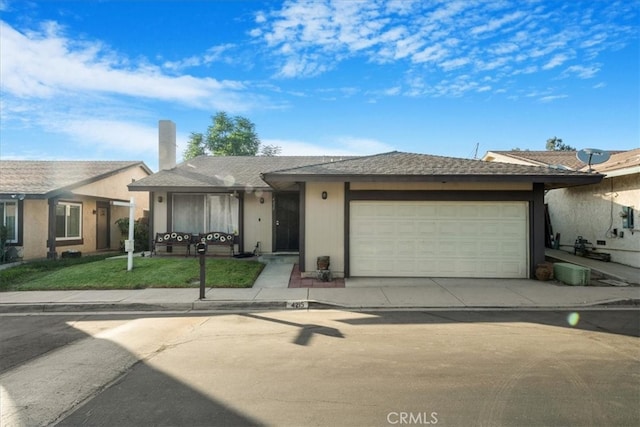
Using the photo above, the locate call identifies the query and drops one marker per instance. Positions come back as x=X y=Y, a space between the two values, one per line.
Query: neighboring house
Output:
x=599 y=212
x=50 y=207
x=392 y=214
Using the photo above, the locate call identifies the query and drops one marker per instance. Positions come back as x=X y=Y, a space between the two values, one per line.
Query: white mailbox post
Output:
x=129 y=244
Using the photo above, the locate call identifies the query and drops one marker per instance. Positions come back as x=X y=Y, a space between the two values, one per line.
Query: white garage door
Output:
x=439 y=239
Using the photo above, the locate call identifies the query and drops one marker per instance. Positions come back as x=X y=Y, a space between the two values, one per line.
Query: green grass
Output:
x=101 y=273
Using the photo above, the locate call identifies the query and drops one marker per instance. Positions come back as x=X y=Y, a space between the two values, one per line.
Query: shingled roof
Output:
x=545 y=158
x=620 y=160
x=205 y=173
x=567 y=159
x=398 y=166
x=42 y=179
x=225 y=173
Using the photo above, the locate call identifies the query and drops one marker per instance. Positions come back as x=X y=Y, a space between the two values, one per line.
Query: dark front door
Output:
x=102 y=226
x=287 y=221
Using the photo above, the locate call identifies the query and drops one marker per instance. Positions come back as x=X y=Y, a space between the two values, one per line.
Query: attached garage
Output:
x=439 y=239
x=415 y=215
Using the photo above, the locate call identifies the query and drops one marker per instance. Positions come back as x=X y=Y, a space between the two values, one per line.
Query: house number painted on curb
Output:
x=297 y=304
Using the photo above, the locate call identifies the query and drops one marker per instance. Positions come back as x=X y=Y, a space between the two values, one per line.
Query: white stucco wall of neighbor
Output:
x=324 y=220
x=593 y=212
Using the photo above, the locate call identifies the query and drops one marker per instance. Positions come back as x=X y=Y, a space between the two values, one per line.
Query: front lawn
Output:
x=111 y=273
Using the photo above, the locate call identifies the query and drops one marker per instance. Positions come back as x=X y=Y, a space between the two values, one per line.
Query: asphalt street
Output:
x=322 y=367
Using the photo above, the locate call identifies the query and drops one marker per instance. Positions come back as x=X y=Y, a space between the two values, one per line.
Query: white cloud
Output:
x=312 y=37
x=556 y=61
x=583 y=72
x=550 y=98
x=46 y=64
x=452 y=64
x=430 y=54
x=495 y=24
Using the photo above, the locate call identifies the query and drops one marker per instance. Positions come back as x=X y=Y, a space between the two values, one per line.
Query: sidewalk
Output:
x=271 y=292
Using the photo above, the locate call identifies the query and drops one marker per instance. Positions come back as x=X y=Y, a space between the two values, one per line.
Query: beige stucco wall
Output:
x=324 y=221
x=35 y=229
x=258 y=218
x=115 y=187
x=159 y=213
x=435 y=186
x=593 y=212
x=36 y=223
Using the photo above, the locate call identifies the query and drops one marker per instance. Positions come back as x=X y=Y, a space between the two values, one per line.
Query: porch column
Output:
x=241 y=195
x=302 y=236
x=537 y=228
x=51 y=239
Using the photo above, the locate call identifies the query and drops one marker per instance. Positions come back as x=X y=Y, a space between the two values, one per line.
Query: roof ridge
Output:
x=318 y=164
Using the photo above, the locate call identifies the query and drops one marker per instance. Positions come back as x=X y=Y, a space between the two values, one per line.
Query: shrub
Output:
x=140 y=233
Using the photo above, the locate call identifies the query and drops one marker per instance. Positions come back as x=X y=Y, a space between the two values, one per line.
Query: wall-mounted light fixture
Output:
x=160 y=199
x=262 y=200
x=94 y=211
x=324 y=195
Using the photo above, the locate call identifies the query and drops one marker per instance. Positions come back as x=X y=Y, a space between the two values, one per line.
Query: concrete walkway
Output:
x=359 y=294
x=271 y=291
x=611 y=270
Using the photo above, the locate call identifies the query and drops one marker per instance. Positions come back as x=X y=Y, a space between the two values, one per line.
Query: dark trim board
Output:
x=536 y=238
x=303 y=227
x=347 y=228
x=535 y=199
x=441 y=196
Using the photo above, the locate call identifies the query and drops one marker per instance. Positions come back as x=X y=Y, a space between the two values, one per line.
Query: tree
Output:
x=227 y=136
x=270 y=150
x=195 y=146
x=556 y=144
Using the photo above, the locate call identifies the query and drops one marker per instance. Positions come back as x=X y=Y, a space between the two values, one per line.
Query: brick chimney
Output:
x=166 y=144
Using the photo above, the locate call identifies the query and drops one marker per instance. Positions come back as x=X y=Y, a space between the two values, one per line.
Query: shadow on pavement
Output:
x=142 y=395
x=147 y=397
x=621 y=322
x=306 y=330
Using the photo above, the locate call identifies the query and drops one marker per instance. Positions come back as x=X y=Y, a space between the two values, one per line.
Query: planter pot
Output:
x=544 y=272
x=323 y=262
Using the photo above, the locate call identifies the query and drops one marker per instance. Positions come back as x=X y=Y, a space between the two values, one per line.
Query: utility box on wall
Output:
x=627 y=217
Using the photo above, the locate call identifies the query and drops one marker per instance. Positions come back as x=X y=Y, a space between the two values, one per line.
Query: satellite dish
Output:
x=592 y=156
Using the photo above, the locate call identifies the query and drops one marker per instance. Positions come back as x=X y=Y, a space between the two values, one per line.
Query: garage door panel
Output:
x=439 y=239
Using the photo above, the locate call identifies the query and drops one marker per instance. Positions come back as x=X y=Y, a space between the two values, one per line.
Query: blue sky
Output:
x=89 y=80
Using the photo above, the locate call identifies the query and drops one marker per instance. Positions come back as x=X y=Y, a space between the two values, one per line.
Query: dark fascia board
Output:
x=550 y=181
x=194 y=189
x=69 y=188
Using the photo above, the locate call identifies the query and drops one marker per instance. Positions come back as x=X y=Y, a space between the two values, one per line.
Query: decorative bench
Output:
x=218 y=238
x=170 y=239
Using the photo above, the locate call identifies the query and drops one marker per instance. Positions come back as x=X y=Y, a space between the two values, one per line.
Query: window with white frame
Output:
x=201 y=213
x=68 y=221
x=9 y=218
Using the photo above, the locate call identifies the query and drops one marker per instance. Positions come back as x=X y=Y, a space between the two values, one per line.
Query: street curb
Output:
x=230 y=305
